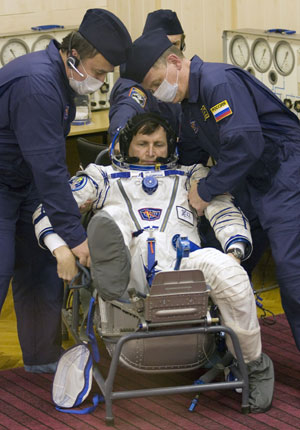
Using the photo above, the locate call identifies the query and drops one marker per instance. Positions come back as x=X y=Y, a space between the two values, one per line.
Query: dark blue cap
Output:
x=145 y=51
x=107 y=34
x=165 y=19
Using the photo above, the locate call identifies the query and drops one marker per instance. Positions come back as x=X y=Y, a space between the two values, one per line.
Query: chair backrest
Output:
x=177 y=299
x=88 y=150
x=178 y=295
x=103 y=158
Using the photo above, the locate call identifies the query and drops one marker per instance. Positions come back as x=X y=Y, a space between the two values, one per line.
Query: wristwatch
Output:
x=237 y=252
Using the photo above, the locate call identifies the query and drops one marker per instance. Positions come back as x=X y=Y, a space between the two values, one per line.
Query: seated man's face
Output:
x=147 y=147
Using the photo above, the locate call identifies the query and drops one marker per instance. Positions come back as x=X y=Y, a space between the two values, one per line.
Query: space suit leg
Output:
x=232 y=293
x=110 y=257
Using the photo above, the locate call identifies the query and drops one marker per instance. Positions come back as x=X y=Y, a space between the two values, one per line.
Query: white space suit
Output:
x=153 y=203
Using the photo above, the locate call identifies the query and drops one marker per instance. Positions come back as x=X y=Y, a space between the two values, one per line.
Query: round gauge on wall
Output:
x=12 y=49
x=239 y=51
x=284 y=58
x=41 y=43
x=261 y=55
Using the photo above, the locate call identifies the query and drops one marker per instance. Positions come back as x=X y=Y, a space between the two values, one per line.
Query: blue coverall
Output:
x=128 y=99
x=36 y=105
x=254 y=137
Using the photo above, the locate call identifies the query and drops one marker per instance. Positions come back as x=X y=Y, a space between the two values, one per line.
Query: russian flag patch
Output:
x=221 y=110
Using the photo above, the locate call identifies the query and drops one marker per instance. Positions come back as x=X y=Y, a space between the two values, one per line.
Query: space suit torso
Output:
x=151 y=221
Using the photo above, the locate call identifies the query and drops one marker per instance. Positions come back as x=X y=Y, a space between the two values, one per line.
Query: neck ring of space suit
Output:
x=131 y=164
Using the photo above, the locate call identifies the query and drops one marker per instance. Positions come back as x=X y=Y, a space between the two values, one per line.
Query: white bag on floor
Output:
x=73 y=377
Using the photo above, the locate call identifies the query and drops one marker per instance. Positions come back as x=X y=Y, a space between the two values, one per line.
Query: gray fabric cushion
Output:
x=110 y=258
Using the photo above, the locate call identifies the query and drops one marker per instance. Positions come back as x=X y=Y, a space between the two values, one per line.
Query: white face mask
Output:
x=166 y=92
x=88 y=86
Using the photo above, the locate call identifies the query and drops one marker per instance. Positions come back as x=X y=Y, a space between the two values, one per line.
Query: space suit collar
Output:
x=122 y=165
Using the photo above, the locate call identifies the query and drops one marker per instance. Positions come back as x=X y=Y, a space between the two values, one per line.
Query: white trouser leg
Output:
x=232 y=293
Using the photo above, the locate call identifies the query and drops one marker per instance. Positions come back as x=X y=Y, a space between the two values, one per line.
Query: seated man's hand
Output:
x=66 y=263
x=82 y=253
x=86 y=206
x=195 y=200
x=234 y=257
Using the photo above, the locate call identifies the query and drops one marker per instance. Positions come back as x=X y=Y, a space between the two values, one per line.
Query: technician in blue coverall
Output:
x=250 y=133
x=37 y=108
x=129 y=98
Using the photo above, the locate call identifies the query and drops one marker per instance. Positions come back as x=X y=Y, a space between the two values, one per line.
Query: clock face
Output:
x=261 y=55
x=12 y=49
x=239 y=51
x=284 y=58
x=41 y=43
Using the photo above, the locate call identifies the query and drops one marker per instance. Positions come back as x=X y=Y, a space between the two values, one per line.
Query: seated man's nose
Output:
x=150 y=151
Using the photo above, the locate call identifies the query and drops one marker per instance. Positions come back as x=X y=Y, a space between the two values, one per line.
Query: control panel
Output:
x=272 y=56
x=14 y=45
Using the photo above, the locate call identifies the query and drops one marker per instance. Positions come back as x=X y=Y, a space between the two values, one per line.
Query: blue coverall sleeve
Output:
x=125 y=102
x=38 y=124
x=119 y=115
x=189 y=150
x=240 y=138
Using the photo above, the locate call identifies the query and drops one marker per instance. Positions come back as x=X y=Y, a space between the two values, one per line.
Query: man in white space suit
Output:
x=141 y=207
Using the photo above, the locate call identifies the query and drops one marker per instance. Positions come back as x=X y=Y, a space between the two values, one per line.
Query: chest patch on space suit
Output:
x=78 y=183
x=221 y=110
x=138 y=96
x=150 y=214
x=185 y=215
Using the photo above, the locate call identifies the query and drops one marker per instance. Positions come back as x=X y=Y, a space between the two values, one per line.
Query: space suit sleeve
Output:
x=229 y=223
x=90 y=185
x=195 y=173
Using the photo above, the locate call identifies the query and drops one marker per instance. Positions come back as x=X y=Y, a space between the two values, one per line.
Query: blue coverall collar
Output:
x=54 y=55
x=194 y=81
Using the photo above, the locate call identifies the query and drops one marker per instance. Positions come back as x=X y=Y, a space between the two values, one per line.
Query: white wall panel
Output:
x=203 y=20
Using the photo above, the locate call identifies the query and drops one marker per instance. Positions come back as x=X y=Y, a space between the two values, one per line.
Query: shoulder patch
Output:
x=138 y=95
x=221 y=110
x=78 y=182
x=204 y=112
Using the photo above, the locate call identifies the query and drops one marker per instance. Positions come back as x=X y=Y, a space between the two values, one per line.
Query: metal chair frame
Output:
x=162 y=329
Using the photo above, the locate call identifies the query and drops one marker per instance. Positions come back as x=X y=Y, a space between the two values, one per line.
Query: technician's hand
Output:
x=66 y=263
x=82 y=253
x=195 y=200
